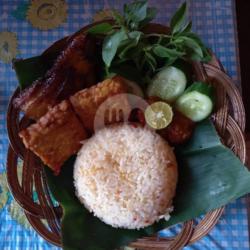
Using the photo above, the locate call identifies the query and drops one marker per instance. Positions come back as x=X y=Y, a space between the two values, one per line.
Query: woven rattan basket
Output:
x=44 y=216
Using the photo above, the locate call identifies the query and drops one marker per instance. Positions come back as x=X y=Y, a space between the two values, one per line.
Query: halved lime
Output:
x=159 y=115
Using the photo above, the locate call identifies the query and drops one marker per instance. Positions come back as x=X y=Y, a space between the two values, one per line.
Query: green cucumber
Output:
x=168 y=84
x=197 y=101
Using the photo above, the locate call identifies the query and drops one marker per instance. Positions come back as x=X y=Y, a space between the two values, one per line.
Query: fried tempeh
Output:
x=87 y=103
x=74 y=69
x=56 y=136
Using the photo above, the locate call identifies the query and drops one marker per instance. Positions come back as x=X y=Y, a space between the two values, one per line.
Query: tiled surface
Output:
x=212 y=19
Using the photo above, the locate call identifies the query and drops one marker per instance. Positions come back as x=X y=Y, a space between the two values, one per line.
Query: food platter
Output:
x=44 y=214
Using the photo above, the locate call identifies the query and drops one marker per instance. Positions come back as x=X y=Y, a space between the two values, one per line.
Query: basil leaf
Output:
x=119 y=19
x=123 y=52
x=178 y=19
x=206 y=55
x=195 y=37
x=187 y=27
x=151 y=14
x=129 y=43
x=170 y=61
x=162 y=51
x=135 y=35
x=102 y=28
x=194 y=50
x=135 y=12
x=150 y=60
x=110 y=46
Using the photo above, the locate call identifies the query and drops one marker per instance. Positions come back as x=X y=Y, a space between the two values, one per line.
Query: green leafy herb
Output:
x=102 y=28
x=125 y=43
x=191 y=47
x=129 y=43
x=195 y=37
x=134 y=13
x=119 y=19
x=151 y=14
x=137 y=14
x=187 y=27
x=151 y=61
x=177 y=21
x=162 y=51
x=110 y=46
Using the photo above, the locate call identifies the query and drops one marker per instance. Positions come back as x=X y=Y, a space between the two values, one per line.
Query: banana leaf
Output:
x=29 y=70
x=210 y=176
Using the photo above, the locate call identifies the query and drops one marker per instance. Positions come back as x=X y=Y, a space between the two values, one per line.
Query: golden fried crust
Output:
x=56 y=136
x=87 y=102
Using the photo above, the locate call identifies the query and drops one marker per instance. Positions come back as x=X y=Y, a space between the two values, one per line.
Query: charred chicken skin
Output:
x=74 y=69
x=179 y=131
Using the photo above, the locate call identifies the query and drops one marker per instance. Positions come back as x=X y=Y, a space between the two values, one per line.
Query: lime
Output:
x=159 y=115
x=168 y=84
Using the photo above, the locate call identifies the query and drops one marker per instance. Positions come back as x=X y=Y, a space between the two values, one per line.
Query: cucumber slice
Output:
x=195 y=105
x=168 y=84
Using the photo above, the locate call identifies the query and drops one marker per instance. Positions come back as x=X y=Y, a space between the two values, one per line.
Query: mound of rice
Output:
x=126 y=176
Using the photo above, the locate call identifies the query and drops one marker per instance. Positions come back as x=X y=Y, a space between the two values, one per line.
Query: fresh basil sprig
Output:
x=137 y=14
x=101 y=28
x=111 y=44
x=125 y=43
x=178 y=19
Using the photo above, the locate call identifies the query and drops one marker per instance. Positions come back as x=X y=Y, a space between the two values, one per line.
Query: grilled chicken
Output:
x=179 y=130
x=74 y=69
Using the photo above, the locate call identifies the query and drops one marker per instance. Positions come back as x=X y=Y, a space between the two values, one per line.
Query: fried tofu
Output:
x=56 y=136
x=102 y=103
x=74 y=69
